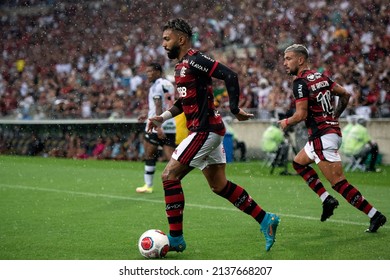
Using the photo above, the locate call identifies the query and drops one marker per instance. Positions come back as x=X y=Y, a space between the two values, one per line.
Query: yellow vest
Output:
x=181 y=128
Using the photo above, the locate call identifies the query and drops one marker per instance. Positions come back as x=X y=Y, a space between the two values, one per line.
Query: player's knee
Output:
x=165 y=175
x=169 y=174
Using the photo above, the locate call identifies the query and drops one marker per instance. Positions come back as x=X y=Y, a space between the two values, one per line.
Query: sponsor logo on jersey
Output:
x=312 y=77
x=300 y=92
x=208 y=58
x=182 y=91
x=198 y=66
x=183 y=72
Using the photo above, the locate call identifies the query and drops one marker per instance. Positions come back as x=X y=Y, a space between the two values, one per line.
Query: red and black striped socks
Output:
x=353 y=196
x=242 y=200
x=174 y=206
x=311 y=177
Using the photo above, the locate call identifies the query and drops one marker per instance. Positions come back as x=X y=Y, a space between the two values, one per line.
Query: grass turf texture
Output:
x=60 y=209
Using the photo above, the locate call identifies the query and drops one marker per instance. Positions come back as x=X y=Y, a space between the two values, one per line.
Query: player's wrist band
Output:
x=286 y=121
x=166 y=115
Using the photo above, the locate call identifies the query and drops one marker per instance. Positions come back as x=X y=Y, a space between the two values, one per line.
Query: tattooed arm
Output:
x=343 y=99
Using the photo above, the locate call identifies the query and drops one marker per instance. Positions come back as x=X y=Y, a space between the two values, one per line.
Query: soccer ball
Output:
x=153 y=244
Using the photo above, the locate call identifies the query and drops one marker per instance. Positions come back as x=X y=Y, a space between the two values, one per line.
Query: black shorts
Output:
x=169 y=140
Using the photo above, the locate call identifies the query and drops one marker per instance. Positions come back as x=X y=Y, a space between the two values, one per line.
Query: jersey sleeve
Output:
x=157 y=92
x=202 y=64
x=332 y=83
x=300 y=90
x=168 y=87
x=169 y=93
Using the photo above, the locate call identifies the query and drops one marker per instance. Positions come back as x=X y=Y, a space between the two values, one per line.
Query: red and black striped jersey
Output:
x=194 y=85
x=317 y=89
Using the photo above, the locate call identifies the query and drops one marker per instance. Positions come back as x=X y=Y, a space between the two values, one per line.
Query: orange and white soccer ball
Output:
x=153 y=244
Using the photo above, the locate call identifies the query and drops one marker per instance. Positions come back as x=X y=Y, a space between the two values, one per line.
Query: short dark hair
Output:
x=179 y=24
x=298 y=48
x=156 y=66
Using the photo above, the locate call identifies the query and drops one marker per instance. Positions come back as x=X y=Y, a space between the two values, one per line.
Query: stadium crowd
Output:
x=86 y=59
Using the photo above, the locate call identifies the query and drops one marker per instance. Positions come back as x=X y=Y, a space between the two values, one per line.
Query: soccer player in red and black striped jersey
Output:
x=315 y=104
x=203 y=147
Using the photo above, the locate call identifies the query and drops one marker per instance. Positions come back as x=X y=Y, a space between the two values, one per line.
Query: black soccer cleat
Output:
x=328 y=206
x=377 y=221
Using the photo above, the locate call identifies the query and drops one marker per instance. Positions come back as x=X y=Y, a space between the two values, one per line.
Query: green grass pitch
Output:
x=61 y=209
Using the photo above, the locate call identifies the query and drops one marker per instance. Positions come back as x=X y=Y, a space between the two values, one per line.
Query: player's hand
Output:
x=282 y=124
x=160 y=133
x=154 y=122
x=243 y=116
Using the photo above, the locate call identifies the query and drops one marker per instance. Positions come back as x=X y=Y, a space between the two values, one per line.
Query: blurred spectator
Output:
x=263 y=92
x=131 y=147
x=358 y=143
x=117 y=150
x=71 y=147
x=71 y=58
x=275 y=146
x=384 y=97
x=81 y=148
x=98 y=148
x=351 y=121
x=34 y=146
x=106 y=153
x=54 y=146
x=278 y=103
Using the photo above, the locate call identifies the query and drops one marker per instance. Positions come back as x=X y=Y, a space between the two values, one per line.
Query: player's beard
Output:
x=173 y=53
x=293 y=71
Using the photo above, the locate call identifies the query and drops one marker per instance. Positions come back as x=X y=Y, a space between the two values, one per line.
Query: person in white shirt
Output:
x=161 y=97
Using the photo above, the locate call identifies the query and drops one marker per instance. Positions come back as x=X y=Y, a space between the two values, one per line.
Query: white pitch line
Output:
x=142 y=199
